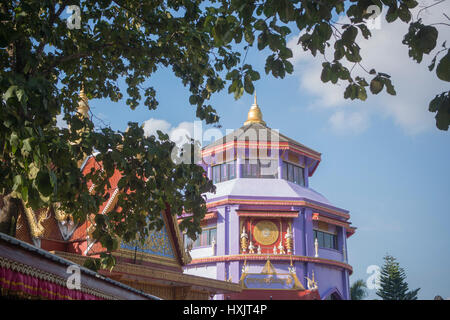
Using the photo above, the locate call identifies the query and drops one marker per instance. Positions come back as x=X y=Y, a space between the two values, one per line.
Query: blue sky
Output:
x=383 y=159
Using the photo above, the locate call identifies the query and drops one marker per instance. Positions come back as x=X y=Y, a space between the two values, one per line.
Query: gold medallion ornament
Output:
x=266 y=232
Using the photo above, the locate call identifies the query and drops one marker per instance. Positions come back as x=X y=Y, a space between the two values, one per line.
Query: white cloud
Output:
x=384 y=51
x=348 y=122
x=151 y=126
x=179 y=134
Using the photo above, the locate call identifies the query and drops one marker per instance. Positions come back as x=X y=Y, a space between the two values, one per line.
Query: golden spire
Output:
x=255 y=114
x=83 y=113
x=83 y=105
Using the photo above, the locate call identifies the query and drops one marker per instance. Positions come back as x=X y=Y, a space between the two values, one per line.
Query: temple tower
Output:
x=266 y=228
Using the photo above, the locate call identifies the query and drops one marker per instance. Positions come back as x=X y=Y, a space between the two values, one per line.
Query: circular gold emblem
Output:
x=266 y=232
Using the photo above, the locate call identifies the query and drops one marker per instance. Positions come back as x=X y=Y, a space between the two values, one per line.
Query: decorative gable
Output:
x=157 y=243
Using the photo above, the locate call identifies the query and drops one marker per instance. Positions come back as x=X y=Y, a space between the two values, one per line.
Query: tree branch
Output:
x=51 y=21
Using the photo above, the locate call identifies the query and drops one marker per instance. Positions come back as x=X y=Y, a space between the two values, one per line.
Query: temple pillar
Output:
x=209 y=172
x=234 y=243
x=238 y=167
x=221 y=231
x=305 y=173
x=233 y=232
x=221 y=236
x=280 y=166
x=308 y=232
x=345 y=285
x=220 y=270
x=298 y=234
x=343 y=246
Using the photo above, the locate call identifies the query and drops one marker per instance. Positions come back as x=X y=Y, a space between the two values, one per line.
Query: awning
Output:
x=210 y=215
x=318 y=217
x=32 y=285
x=33 y=273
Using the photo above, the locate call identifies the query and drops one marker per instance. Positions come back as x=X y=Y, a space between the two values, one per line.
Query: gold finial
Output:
x=255 y=114
x=83 y=105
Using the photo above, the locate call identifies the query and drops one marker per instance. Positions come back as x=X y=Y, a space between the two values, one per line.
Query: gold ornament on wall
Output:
x=266 y=232
x=251 y=247
x=244 y=242
x=288 y=237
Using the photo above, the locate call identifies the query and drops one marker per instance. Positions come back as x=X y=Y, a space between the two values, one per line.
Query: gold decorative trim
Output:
x=185 y=257
x=46 y=276
x=147 y=257
x=277 y=257
x=59 y=214
x=36 y=228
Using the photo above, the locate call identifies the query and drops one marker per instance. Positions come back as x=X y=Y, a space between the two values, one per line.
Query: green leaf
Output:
x=392 y=14
x=389 y=87
x=441 y=105
x=427 y=37
x=24 y=193
x=248 y=85
x=376 y=86
x=14 y=141
x=362 y=94
x=18 y=180
x=21 y=96
x=443 y=68
x=193 y=99
x=262 y=40
x=10 y=93
x=325 y=75
x=288 y=66
x=404 y=14
x=349 y=35
x=26 y=147
x=43 y=183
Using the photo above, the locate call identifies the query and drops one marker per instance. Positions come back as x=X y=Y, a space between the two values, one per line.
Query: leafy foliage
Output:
x=358 y=290
x=44 y=64
x=392 y=282
x=441 y=105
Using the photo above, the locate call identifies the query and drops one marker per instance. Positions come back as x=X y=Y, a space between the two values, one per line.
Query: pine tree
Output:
x=392 y=282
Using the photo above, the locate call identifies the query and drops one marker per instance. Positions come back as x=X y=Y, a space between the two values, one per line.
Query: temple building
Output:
x=48 y=242
x=266 y=229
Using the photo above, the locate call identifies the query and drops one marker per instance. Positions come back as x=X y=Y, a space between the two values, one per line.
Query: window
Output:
x=204 y=239
x=260 y=169
x=293 y=173
x=223 y=172
x=326 y=240
x=216 y=174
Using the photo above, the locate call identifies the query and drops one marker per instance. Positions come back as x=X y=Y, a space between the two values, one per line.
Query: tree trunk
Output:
x=9 y=212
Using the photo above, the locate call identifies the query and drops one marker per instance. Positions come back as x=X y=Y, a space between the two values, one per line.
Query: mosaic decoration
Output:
x=157 y=243
x=266 y=232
